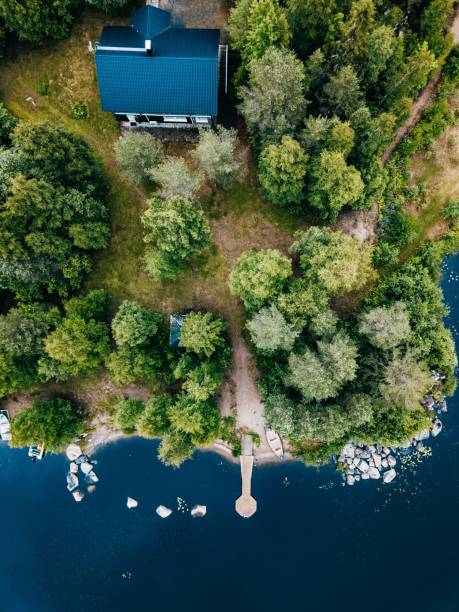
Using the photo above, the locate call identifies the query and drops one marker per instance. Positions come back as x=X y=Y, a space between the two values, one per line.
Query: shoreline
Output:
x=102 y=436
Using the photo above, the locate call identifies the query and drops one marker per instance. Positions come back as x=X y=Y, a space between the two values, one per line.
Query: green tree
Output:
x=134 y=364
x=202 y=333
x=137 y=153
x=302 y=301
x=154 y=420
x=405 y=381
x=219 y=158
x=356 y=29
x=24 y=327
x=386 y=327
x=203 y=381
x=175 y=448
x=381 y=46
x=11 y=164
x=322 y=133
x=333 y=184
x=133 y=325
x=176 y=230
x=80 y=342
x=311 y=21
x=259 y=276
x=59 y=157
x=7 y=124
x=281 y=414
x=127 y=414
x=323 y=324
x=109 y=6
x=320 y=375
x=43 y=233
x=281 y=171
x=413 y=75
x=256 y=26
x=342 y=92
x=273 y=103
x=373 y=134
x=434 y=22
x=322 y=253
x=270 y=331
x=174 y=178
x=54 y=423
x=35 y=20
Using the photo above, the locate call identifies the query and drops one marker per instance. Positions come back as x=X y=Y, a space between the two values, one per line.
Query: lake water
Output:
x=313 y=545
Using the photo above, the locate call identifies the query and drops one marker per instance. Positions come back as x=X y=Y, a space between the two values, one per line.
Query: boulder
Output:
x=389 y=476
x=72 y=482
x=419 y=446
x=357 y=477
x=365 y=476
x=91 y=488
x=78 y=496
x=73 y=451
x=163 y=511
x=132 y=503
x=92 y=477
x=374 y=473
x=73 y=468
x=81 y=459
x=86 y=467
x=437 y=427
x=363 y=466
x=377 y=459
x=198 y=511
x=350 y=479
x=423 y=435
x=365 y=454
x=349 y=450
x=391 y=461
x=384 y=463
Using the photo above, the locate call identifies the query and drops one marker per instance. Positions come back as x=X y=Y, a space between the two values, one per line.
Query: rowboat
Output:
x=275 y=443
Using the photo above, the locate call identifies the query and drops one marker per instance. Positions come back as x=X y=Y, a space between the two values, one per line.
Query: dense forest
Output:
x=346 y=333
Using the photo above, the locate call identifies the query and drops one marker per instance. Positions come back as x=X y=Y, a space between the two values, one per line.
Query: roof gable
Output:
x=149 y=21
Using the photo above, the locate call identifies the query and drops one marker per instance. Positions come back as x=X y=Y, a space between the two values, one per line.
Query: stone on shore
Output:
x=198 y=511
x=86 y=467
x=163 y=511
x=377 y=460
x=349 y=450
x=389 y=476
x=78 y=496
x=73 y=451
x=132 y=503
x=365 y=476
x=73 y=468
x=373 y=472
x=363 y=466
x=391 y=461
x=350 y=479
x=437 y=427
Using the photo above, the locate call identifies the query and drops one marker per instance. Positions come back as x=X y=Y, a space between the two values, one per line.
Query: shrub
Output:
x=127 y=414
x=137 y=153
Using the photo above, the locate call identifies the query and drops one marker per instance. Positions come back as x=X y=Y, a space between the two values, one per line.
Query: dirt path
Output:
x=423 y=100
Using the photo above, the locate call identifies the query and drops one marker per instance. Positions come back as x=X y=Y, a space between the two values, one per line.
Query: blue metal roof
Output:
x=149 y=21
x=179 y=78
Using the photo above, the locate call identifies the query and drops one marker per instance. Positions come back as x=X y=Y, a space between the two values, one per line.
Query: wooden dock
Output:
x=246 y=505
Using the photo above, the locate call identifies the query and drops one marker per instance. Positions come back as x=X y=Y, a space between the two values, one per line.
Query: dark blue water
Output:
x=312 y=546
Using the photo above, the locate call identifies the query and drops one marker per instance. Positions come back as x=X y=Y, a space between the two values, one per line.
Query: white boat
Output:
x=275 y=443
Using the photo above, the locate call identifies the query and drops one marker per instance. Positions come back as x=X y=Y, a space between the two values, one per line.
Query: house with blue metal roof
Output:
x=155 y=73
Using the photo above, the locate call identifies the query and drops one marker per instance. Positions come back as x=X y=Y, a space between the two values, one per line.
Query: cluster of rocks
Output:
x=367 y=462
x=197 y=511
x=79 y=462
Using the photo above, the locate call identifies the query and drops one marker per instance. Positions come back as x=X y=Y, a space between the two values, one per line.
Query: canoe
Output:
x=275 y=443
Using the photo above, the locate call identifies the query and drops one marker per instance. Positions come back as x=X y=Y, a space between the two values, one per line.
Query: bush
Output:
x=175 y=178
x=219 y=158
x=79 y=111
x=7 y=124
x=53 y=422
x=127 y=414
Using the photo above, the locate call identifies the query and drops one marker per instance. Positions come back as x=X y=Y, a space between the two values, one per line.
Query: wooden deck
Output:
x=246 y=505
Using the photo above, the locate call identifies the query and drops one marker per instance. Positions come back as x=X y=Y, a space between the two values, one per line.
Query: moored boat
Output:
x=275 y=443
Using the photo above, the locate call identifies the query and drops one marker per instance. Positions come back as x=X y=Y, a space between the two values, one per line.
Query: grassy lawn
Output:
x=239 y=218
x=438 y=169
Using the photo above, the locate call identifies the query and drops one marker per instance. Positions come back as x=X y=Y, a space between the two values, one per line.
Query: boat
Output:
x=36 y=452
x=275 y=443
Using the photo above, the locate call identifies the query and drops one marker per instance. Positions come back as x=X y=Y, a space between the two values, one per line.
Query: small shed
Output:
x=175 y=329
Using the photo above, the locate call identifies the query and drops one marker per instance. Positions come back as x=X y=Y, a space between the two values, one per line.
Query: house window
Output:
x=177 y=119
x=201 y=120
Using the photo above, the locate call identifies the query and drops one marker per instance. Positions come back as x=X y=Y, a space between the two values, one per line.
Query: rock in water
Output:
x=365 y=476
x=77 y=496
x=349 y=450
x=132 y=503
x=73 y=468
x=389 y=476
x=350 y=479
x=363 y=466
x=198 y=511
x=92 y=477
x=391 y=461
x=86 y=467
x=374 y=473
x=163 y=512
x=437 y=427
x=377 y=460
x=72 y=482
x=91 y=488
x=73 y=451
